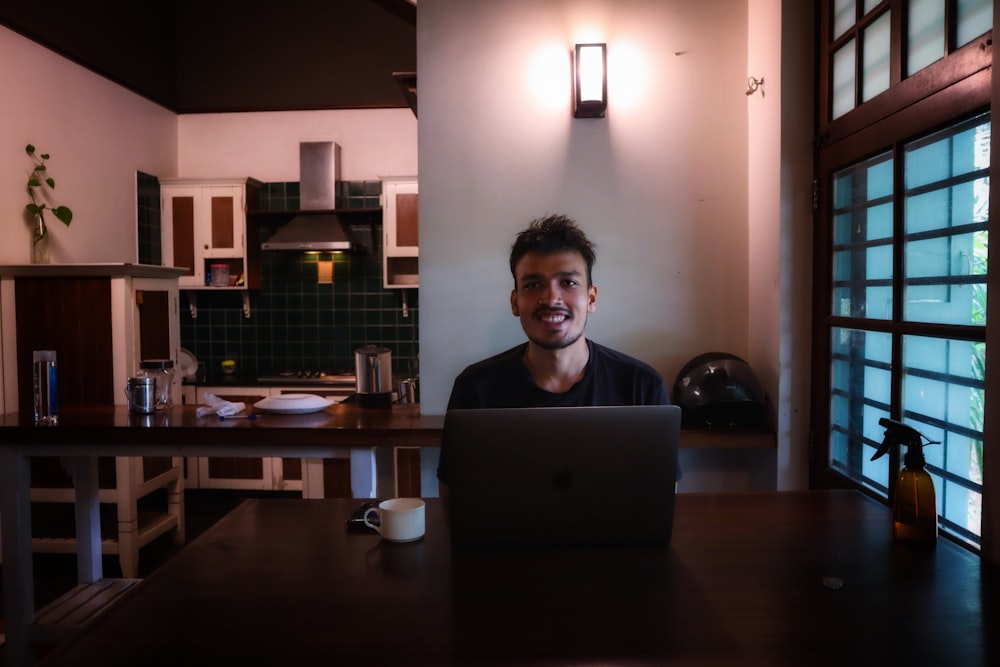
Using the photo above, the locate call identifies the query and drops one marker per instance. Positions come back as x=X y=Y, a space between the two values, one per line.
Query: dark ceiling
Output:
x=216 y=56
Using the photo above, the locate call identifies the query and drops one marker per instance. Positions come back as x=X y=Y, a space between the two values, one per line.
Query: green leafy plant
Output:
x=37 y=179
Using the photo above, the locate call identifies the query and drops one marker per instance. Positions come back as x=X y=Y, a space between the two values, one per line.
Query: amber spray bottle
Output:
x=914 y=503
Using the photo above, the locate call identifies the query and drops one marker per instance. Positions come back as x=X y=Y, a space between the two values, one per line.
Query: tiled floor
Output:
x=55 y=574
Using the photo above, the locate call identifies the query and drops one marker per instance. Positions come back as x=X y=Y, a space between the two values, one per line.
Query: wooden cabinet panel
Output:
x=73 y=317
x=407 y=221
x=154 y=324
x=182 y=232
x=223 y=234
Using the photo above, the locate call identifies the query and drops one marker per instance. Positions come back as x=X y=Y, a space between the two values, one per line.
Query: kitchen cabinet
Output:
x=251 y=473
x=314 y=478
x=101 y=319
x=205 y=223
x=400 y=232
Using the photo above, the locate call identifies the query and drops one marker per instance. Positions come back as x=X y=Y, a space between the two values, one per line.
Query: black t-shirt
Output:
x=504 y=381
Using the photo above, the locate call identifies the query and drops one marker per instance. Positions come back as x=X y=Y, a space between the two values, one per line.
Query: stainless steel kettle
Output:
x=373 y=370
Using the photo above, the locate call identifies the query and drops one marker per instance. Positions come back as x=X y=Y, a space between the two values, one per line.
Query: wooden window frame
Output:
x=956 y=87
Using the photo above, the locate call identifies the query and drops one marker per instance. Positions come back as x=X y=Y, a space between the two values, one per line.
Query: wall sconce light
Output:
x=754 y=84
x=590 y=96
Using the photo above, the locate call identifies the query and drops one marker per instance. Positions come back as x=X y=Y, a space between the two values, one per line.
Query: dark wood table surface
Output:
x=171 y=432
x=85 y=433
x=283 y=582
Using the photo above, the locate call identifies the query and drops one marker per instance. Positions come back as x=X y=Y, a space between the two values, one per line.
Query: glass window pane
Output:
x=879 y=181
x=842 y=228
x=975 y=17
x=860 y=396
x=843 y=16
x=871 y=4
x=876 y=58
x=880 y=222
x=925 y=35
x=943 y=399
x=945 y=217
x=879 y=262
x=863 y=223
x=843 y=79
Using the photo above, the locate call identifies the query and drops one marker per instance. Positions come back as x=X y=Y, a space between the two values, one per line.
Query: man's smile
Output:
x=550 y=316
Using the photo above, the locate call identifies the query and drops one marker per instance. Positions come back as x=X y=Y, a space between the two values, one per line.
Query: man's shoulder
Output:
x=636 y=382
x=504 y=359
x=613 y=357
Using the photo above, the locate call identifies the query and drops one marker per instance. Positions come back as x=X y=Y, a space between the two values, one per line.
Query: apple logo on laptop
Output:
x=562 y=479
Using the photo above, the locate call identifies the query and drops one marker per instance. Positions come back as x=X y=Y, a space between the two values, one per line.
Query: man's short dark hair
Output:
x=552 y=234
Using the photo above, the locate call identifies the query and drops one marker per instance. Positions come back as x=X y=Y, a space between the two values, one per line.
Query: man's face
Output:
x=552 y=299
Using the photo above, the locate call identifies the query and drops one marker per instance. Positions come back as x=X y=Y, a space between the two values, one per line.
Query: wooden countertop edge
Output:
x=341 y=426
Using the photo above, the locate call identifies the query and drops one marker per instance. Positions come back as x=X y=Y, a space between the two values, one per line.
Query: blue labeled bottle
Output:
x=46 y=393
x=914 y=503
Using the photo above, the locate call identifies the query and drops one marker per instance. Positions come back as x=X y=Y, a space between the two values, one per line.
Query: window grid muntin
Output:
x=943 y=163
x=963 y=22
x=856 y=294
x=858 y=360
x=855 y=432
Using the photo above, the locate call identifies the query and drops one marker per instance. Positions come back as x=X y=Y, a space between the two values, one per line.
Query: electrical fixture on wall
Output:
x=754 y=84
x=590 y=77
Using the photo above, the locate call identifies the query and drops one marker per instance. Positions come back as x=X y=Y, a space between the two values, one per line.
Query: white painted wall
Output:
x=660 y=184
x=780 y=215
x=98 y=134
x=692 y=191
x=373 y=143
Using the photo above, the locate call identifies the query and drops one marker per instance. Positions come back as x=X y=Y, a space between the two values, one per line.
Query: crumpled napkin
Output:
x=217 y=406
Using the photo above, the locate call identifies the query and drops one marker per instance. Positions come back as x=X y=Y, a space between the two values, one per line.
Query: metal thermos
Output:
x=373 y=370
x=141 y=395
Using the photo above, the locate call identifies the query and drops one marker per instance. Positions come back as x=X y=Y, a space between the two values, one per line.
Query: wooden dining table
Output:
x=782 y=578
x=85 y=433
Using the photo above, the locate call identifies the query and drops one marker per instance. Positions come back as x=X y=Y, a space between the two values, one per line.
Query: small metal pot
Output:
x=141 y=395
x=406 y=391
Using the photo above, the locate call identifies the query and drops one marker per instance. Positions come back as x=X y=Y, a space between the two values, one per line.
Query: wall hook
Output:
x=754 y=84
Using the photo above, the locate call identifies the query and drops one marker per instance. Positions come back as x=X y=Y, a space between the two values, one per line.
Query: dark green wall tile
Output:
x=295 y=322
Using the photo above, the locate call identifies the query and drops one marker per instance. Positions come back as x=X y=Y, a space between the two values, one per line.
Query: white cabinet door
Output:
x=204 y=222
x=400 y=229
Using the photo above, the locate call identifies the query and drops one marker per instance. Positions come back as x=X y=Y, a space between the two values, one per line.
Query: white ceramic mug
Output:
x=400 y=519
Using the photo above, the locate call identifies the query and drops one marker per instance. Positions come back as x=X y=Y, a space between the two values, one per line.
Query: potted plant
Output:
x=38 y=179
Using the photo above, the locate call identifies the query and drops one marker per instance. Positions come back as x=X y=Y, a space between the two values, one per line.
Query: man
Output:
x=552 y=265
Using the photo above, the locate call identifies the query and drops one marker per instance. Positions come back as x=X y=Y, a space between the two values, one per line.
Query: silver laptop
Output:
x=583 y=476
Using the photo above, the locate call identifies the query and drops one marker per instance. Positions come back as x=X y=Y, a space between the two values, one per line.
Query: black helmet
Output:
x=719 y=390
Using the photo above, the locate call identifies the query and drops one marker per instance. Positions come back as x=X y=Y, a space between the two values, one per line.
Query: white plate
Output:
x=294 y=404
x=187 y=364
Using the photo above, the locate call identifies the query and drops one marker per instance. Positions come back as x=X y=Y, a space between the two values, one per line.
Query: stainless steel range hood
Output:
x=310 y=232
x=322 y=231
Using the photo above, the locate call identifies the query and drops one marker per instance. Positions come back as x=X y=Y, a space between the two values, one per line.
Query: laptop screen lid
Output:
x=580 y=476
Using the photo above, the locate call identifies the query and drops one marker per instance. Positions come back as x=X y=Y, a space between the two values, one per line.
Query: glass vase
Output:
x=40 y=242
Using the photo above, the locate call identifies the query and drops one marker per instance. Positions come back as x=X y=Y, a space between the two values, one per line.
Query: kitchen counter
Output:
x=171 y=432
x=102 y=270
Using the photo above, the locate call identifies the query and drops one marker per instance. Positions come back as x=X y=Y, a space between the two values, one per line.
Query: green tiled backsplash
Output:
x=295 y=322
x=148 y=212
